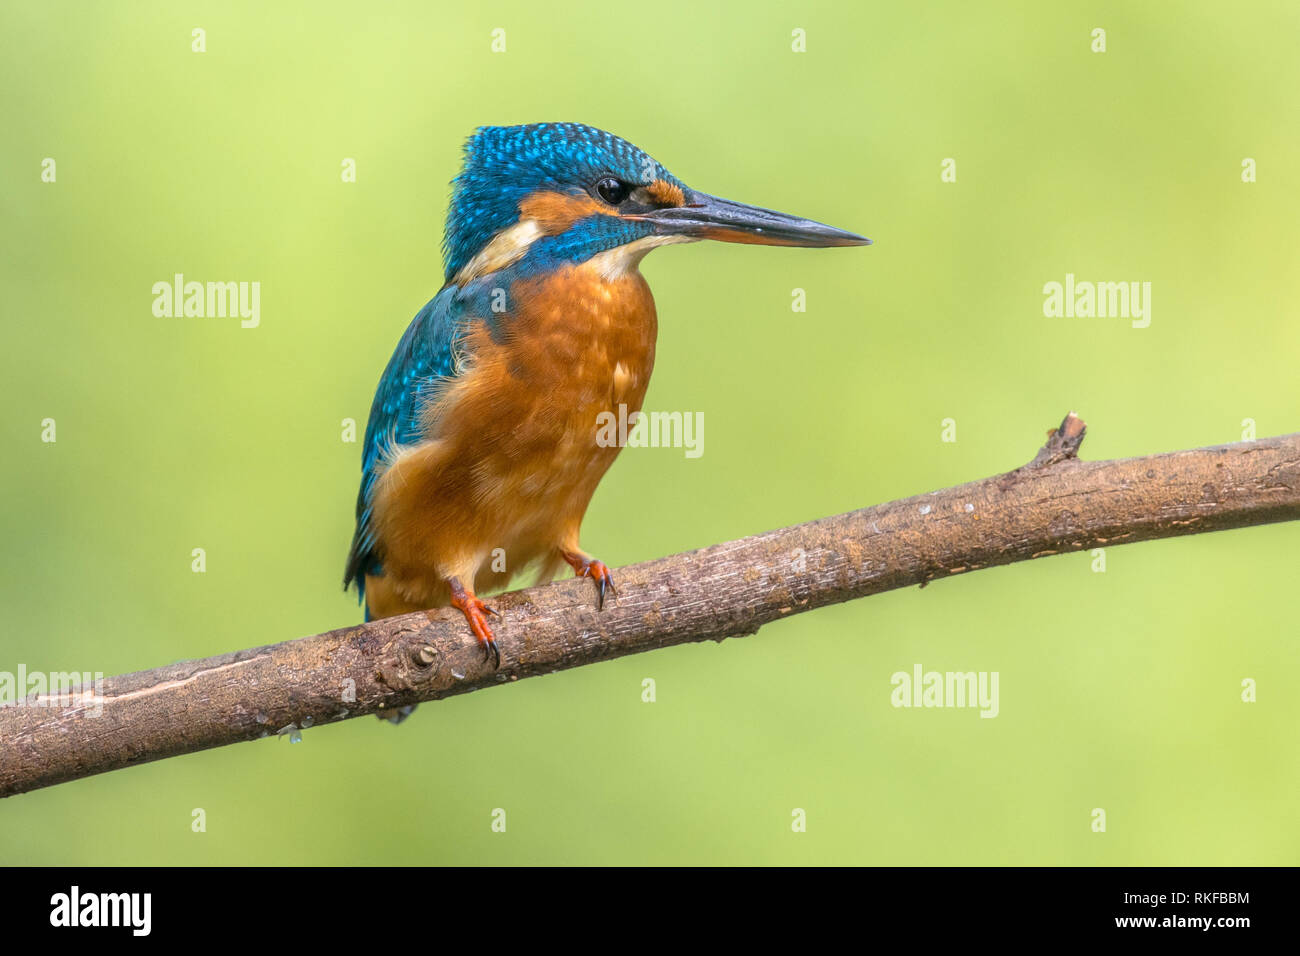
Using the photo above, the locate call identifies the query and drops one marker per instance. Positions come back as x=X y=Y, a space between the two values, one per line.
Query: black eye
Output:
x=612 y=190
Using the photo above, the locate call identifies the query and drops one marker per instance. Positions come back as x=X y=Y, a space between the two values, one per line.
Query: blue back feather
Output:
x=422 y=359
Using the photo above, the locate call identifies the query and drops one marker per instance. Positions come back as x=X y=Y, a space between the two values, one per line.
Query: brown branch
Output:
x=1054 y=504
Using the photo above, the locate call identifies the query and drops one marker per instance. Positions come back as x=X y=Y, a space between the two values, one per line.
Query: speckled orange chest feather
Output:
x=511 y=457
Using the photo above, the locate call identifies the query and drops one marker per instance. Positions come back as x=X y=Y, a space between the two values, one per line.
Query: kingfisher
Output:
x=482 y=453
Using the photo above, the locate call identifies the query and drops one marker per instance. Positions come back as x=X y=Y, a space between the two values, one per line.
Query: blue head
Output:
x=567 y=192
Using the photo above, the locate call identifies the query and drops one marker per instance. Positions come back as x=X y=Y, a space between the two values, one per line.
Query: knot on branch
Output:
x=405 y=658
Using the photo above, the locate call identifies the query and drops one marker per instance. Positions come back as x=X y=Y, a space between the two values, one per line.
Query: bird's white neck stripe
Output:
x=510 y=245
x=506 y=248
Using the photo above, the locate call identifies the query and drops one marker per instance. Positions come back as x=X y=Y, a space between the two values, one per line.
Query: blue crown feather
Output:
x=505 y=164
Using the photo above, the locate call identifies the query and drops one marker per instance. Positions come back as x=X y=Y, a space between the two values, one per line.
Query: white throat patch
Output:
x=510 y=245
x=619 y=261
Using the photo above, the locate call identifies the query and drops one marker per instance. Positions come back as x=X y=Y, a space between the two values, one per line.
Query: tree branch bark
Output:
x=1054 y=504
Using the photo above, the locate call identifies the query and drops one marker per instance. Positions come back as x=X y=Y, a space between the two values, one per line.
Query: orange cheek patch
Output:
x=555 y=212
x=666 y=194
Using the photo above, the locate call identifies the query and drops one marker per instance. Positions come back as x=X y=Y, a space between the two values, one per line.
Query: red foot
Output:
x=587 y=567
x=476 y=613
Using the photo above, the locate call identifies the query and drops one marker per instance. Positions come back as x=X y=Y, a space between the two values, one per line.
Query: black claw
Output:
x=490 y=652
x=605 y=583
x=491 y=610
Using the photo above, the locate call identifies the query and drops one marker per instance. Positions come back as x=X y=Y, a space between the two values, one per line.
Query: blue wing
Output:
x=423 y=359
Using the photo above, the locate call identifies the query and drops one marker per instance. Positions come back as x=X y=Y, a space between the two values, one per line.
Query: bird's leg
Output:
x=476 y=613
x=585 y=566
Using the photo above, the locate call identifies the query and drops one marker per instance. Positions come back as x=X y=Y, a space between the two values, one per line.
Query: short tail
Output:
x=395 y=715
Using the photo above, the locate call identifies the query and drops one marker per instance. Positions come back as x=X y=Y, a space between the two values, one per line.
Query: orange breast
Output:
x=513 y=457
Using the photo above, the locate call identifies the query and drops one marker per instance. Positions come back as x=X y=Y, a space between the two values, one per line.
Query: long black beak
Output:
x=709 y=217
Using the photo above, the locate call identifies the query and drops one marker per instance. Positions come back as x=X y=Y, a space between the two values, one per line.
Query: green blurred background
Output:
x=1119 y=690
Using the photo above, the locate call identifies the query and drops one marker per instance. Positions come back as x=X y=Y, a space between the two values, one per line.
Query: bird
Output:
x=480 y=454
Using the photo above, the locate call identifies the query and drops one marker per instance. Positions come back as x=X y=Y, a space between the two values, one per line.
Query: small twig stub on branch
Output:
x=1062 y=442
